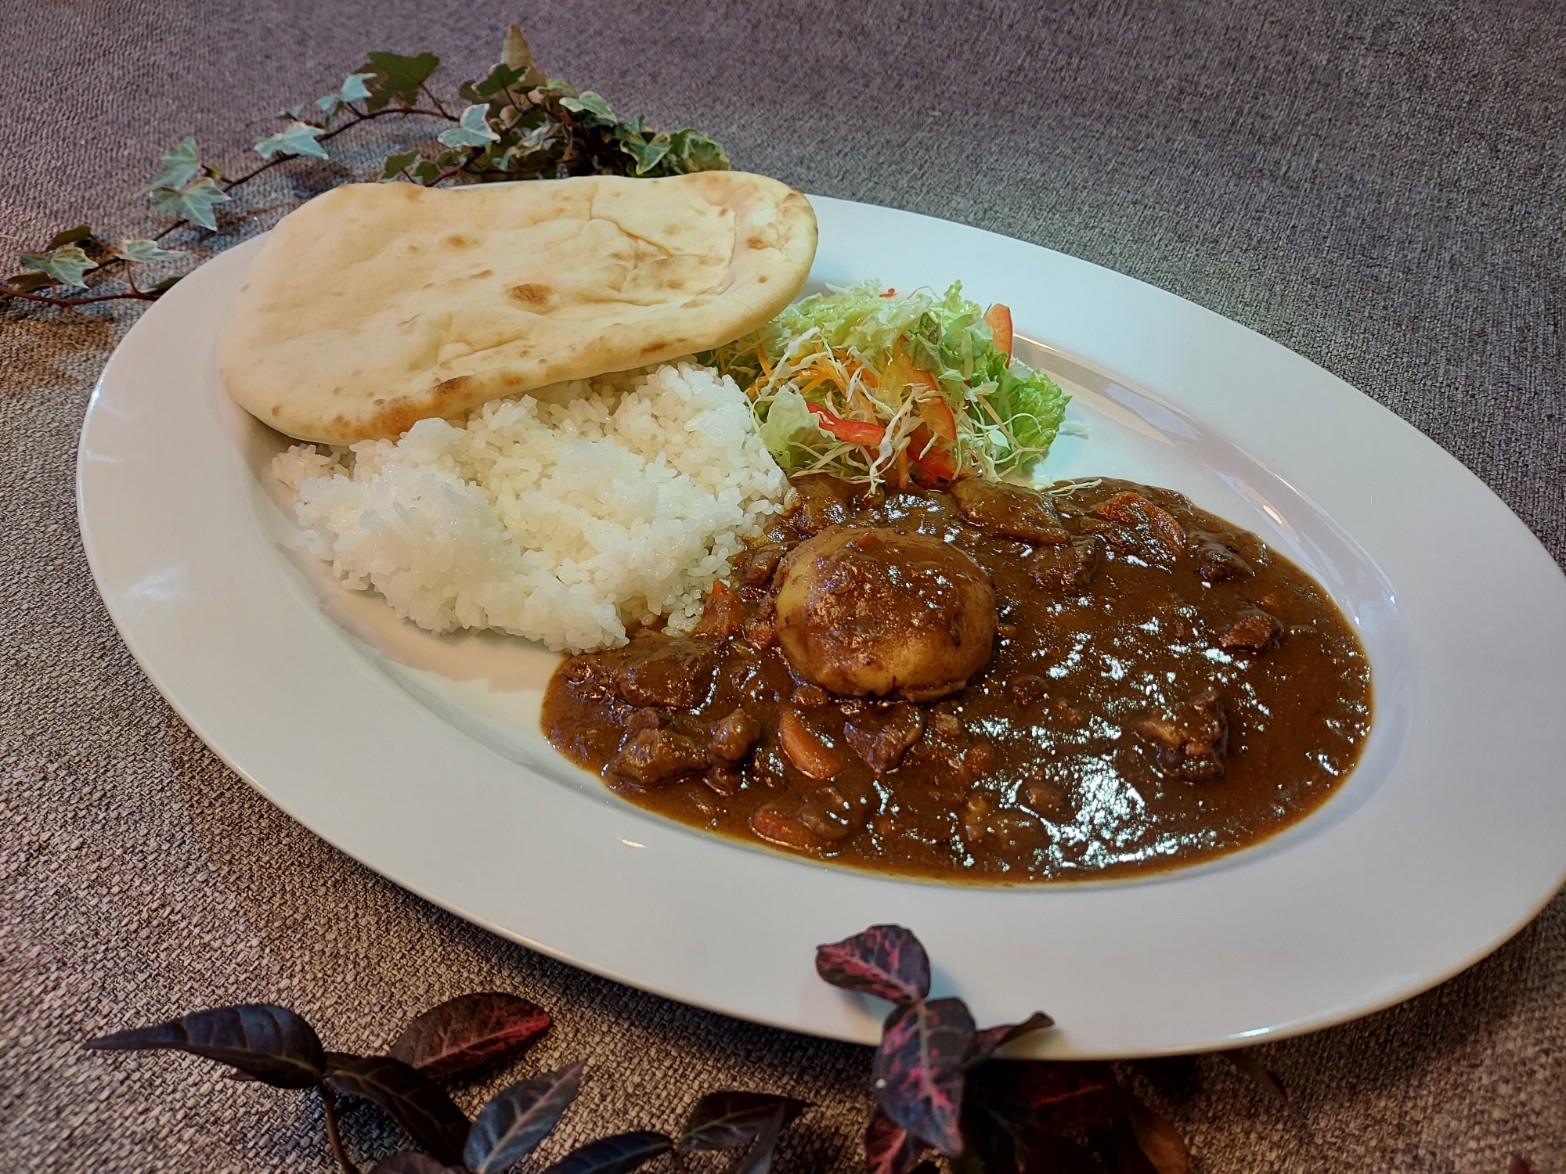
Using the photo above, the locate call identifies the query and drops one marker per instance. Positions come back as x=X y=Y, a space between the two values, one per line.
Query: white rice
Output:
x=561 y=517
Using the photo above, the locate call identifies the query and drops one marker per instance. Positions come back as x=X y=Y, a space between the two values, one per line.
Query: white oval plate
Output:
x=420 y=756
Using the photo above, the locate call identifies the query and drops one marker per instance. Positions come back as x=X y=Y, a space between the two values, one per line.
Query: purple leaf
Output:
x=918 y=1071
x=889 y=1148
x=619 y=1154
x=269 y=1043
x=992 y=1039
x=728 y=1119
x=885 y=960
x=1518 y=1165
x=431 y=1118
x=758 y=1158
x=411 y=1162
x=467 y=1031
x=516 y=1119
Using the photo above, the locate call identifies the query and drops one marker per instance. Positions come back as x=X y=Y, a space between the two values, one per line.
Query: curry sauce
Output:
x=989 y=683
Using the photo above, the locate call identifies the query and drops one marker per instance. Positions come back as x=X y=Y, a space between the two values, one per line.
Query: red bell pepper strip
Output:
x=937 y=415
x=851 y=431
x=930 y=456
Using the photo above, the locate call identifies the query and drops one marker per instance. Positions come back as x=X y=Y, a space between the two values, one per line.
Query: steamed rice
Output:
x=561 y=517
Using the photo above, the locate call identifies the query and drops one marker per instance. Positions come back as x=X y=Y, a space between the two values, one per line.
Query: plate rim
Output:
x=824 y=1013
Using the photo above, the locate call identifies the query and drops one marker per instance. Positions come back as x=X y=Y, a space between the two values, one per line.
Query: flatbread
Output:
x=377 y=305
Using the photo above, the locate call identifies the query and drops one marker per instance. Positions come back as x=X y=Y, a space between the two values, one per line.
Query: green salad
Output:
x=871 y=385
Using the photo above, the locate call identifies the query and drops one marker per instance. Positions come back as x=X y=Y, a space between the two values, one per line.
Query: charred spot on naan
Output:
x=531 y=295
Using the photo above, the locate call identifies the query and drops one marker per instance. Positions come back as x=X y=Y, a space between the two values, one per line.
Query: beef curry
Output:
x=989 y=683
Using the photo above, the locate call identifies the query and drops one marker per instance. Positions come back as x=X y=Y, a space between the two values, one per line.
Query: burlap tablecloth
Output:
x=1379 y=187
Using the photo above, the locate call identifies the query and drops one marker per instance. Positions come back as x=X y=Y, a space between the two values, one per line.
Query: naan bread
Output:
x=377 y=305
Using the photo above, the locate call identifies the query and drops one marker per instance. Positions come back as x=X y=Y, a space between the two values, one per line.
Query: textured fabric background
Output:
x=1378 y=186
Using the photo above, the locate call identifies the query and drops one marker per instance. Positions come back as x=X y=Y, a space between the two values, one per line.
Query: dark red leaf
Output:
x=889 y=1148
x=885 y=960
x=467 y=1031
x=1051 y=1095
x=1247 y=1063
x=410 y=1162
x=918 y=1071
x=992 y=1039
x=1159 y=1141
x=758 y=1158
x=728 y=1119
x=619 y=1154
x=516 y=1119
x=266 y=1042
x=431 y=1118
x=1518 y=1165
x=999 y=1144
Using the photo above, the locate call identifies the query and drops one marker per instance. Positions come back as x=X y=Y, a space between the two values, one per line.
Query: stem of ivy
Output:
x=359 y=116
x=333 y=1137
x=135 y=295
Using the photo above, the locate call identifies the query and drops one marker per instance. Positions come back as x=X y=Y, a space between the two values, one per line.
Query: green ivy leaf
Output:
x=70 y=236
x=195 y=203
x=298 y=138
x=166 y=284
x=398 y=163
x=498 y=80
x=515 y=54
x=472 y=129
x=29 y=282
x=146 y=250
x=427 y=172
x=588 y=103
x=389 y=77
x=65 y=266
x=179 y=165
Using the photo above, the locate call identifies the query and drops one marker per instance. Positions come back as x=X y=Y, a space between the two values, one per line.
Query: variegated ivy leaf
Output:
x=588 y=102
x=195 y=203
x=179 y=166
x=648 y=152
x=353 y=90
x=472 y=129
x=297 y=138
x=65 y=266
x=146 y=250
x=698 y=152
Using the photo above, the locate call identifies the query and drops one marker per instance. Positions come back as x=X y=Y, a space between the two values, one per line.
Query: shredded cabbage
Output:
x=873 y=386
